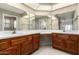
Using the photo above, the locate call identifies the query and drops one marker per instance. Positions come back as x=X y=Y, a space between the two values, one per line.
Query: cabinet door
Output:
x=11 y=51
x=4 y=44
x=59 y=41
x=36 y=41
x=72 y=44
x=27 y=46
x=54 y=39
x=19 y=41
x=24 y=48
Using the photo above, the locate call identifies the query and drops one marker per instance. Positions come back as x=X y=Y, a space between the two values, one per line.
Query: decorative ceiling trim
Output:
x=35 y=9
x=47 y=10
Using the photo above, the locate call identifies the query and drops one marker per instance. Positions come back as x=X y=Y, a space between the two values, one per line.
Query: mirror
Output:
x=43 y=22
x=9 y=23
x=66 y=21
x=28 y=21
x=32 y=21
x=25 y=22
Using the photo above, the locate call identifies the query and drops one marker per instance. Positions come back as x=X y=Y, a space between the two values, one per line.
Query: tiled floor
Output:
x=49 y=51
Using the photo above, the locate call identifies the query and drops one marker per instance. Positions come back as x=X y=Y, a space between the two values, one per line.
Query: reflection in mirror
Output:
x=28 y=21
x=66 y=21
x=55 y=23
x=32 y=21
x=25 y=22
x=46 y=22
x=9 y=23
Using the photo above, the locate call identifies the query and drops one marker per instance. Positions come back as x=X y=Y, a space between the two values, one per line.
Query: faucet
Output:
x=14 y=31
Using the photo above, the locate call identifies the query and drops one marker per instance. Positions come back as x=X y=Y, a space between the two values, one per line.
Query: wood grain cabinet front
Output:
x=78 y=45
x=27 y=46
x=65 y=42
x=22 y=45
x=4 y=44
x=36 y=41
x=17 y=41
x=59 y=41
x=11 y=51
x=72 y=44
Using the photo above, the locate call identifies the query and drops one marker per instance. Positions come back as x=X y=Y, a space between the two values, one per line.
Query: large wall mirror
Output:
x=48 y=22
x=32 y=21
x=66 y=21
x=28 y=21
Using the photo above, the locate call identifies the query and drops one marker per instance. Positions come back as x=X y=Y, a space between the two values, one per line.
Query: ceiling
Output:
x=10 y=8
x=66 y=15
x=41 y=6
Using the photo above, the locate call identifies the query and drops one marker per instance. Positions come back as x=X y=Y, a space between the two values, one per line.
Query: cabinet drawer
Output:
x=4 y=45
x=17 y=41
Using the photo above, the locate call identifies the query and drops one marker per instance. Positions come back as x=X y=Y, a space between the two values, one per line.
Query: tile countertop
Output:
x=5 y=35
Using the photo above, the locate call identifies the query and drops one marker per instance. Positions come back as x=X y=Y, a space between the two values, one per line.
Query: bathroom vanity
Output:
x=66 y=41
x=28 y=42
x=19 y=44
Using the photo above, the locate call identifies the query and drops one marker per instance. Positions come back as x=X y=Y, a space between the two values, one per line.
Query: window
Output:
x=68 y=27
x=9 y=23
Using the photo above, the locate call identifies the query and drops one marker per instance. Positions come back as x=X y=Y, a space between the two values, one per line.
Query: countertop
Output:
x=8 y=34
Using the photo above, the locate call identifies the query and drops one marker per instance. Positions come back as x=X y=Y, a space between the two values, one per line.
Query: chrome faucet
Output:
x=14 y=31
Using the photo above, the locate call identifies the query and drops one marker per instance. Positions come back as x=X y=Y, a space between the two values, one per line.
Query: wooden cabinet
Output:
x=18 y=42
x=4 y=44
x=78 y=45
x=36 y=41
x=27 y=45
x=72 y=44
x=11 y=50
x=19 y=45
x=65 y=42
x=59 y=41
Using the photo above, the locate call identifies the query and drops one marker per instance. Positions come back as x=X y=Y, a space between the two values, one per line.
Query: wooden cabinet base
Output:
x=23 y=45
x=65 y=42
